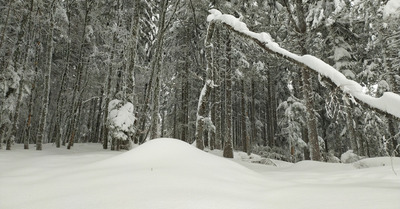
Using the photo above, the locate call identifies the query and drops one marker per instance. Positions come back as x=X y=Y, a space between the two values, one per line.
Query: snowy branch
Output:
x=388 y=104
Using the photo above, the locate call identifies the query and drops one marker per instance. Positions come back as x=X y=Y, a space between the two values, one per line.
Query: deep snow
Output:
x=168 y=173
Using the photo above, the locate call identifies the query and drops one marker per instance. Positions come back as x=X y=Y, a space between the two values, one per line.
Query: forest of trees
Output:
x=65 y=65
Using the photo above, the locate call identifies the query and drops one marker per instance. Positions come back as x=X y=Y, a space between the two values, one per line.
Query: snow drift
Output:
x=171 y=174
x=162 y=173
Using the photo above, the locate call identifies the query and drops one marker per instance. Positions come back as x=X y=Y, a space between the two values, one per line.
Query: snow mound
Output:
x=349 y=157
x=319 y=167
x=378 y=162
x=162 y=173
x=167 y=153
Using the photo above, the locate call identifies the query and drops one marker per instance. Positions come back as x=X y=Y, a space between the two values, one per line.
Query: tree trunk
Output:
x=204 y=95
x=253 y=112
x=156 y=108
x=185 y=104
x=31 y=99
x=133 y=43
x=393 y=124
x=218 y=90
x=311 y=119
x=100 y=111
x=174 y=127
x=350 y=127
x=213 y=107
x=77 y=91
x=57 y=131
x=228 y=146
x=92 y=121
x=271 y=109
x=43 y=118
x=107 y=100
x=3 y=32
x=157 y=69
x=245 y=137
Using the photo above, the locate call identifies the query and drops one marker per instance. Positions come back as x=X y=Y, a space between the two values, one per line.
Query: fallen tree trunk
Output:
x=388 y=104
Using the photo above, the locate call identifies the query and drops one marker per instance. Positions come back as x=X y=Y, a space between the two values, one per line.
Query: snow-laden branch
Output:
x=388 y=103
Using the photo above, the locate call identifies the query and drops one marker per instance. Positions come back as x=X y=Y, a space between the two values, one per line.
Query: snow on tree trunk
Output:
x=205 y=92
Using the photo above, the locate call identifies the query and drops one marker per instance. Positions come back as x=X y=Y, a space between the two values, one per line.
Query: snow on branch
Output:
x=387 y=104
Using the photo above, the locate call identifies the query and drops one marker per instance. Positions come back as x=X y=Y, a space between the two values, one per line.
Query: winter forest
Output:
x=265 y=82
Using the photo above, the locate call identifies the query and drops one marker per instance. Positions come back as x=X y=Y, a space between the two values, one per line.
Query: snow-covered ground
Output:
x=170 y=174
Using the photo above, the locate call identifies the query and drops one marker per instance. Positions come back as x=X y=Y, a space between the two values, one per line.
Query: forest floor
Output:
x=170 y=174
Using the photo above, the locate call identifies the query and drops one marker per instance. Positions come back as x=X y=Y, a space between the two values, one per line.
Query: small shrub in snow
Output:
x=121 y=120
x=349 y=157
